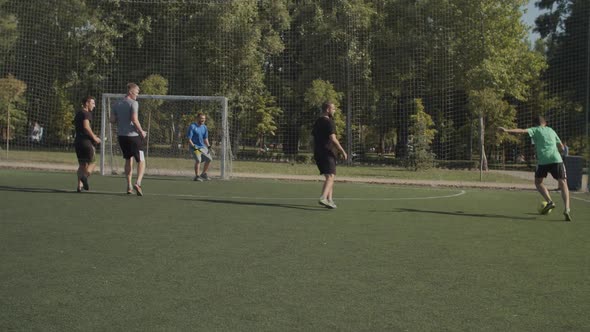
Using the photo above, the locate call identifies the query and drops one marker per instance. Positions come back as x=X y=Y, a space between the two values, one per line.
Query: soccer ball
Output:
x=541 y=206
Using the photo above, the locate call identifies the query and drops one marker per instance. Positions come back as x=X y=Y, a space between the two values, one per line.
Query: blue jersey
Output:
x=197 y=134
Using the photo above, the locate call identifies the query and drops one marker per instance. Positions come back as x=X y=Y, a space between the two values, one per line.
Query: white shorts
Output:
x=201 y=154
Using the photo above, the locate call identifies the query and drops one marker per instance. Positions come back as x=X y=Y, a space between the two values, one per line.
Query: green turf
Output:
x=262 y=255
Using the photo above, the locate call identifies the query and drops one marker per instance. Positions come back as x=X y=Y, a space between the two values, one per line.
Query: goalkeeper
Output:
x=198 y=140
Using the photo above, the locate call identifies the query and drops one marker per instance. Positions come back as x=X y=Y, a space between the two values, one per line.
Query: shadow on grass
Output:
x=279 y=205
x=555 y=217
x=167 y=178
x=461 y=213
x=54 y=191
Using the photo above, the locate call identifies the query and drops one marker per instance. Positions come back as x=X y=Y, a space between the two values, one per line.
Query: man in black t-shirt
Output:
x=326 y=148
x=85 y=142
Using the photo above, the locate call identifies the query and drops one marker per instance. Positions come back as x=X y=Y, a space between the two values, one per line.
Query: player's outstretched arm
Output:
x=513 y=131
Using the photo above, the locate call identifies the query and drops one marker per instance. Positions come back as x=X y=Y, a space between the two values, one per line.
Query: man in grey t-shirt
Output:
x=124 y=110
x=131 y=136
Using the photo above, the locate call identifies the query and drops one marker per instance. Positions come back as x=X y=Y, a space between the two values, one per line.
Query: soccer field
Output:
x=263 y=255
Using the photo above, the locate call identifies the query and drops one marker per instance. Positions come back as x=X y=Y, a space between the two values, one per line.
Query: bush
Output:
x=273 y=157
x=421 y=136
x=459 y=164
x=420 y=160
x=302 y=159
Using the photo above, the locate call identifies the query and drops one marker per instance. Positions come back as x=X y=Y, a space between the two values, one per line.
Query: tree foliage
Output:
x=8 y=33
x=565 y=27
x=318 y=93
x=421 y=136
x=266 y=118
x=273 y=59
x=61 y=121
x=12 y=117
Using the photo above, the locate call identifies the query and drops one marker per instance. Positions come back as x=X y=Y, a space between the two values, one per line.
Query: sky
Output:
x=529 y=18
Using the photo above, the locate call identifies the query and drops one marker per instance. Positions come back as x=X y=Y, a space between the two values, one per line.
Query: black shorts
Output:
x=326 y=163
x=557 y=170
x=132 y=146
x=84 y=150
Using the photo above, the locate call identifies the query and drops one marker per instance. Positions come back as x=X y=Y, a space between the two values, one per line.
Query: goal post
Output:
x=166 y=118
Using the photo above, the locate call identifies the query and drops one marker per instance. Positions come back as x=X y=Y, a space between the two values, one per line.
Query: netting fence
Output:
x=417 y=83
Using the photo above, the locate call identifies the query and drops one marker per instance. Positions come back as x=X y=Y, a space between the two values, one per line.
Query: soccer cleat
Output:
x=85 y=185
x=550 y=206
x=79 y=189
x=129 y=191
x=327 y=203
x=138 y=190
x=567 y=215
x=198 y=178
x=205 y=177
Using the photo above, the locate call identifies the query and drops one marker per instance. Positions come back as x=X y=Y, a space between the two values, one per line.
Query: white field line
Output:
x=580 y=199
x=254 y=198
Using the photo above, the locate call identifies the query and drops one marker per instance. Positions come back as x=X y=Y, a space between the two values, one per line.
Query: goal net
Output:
x=166 y=119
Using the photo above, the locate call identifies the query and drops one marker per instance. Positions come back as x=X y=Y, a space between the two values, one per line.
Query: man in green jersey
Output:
x=549 y=160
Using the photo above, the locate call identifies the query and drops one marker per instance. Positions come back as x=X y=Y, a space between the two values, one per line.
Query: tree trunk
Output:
x=290 y=141
x=382 y=143
x=147 y=139
x=7 y=128
x=483 y=158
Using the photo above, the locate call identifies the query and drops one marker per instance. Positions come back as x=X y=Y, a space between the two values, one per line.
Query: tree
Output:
x=154 y=85
x=396 y=71
x=383 y=121
x=565 y=29
x=421 y=136
x=318 y=93
x=11 y=94
x=327 y=40
x=8 y=34
x=61 y=52
x=265 y=119
x=495 y=112
x=61 y=121
x=496 y=56
x=249 y=33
